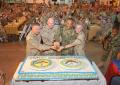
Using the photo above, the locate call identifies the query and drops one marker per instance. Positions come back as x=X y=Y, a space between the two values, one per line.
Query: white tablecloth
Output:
x=101 y=80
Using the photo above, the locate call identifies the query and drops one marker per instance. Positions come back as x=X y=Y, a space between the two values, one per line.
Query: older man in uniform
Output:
x=47 y=35
x=66 y=35
x=34 y=45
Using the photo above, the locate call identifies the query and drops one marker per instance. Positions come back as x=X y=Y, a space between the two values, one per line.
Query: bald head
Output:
x=50 y=22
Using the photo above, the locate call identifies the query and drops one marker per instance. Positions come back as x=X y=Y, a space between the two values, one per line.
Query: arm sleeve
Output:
x=36 y=45
x=79 y=41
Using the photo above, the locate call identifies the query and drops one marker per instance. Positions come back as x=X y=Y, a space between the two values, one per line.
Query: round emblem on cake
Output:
x=41 y=64
x=72 y=63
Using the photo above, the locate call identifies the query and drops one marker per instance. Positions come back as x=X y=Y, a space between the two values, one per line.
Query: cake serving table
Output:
x=53 y=71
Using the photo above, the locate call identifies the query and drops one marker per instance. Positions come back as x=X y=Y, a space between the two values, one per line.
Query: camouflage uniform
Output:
x=34 y=46
x=79 y=44
x=113 y=46
x=66 y=36
x=47 y=35
x=43 y=20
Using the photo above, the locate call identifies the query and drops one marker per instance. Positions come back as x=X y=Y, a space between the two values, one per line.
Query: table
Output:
x=101 y=80
x=113 y=70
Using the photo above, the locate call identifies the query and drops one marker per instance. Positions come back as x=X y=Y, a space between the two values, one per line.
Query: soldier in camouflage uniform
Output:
x=47 y=35
x=66 y=35
x=113 y=46
x=34 y=45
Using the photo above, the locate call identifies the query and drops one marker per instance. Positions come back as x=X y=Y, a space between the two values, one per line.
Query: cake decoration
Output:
x=72 y=63
x=41 y=64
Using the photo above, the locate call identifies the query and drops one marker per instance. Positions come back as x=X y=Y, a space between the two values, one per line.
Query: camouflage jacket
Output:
x=34 y=46
x=66 y=36
x=47 y=35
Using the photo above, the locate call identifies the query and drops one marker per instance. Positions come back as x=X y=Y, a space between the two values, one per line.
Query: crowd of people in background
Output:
x=83 y=15
x=79 y=17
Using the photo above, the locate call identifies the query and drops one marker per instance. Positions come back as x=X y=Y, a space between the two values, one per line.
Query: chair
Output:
x=22 y=33
x=115 y=80
x=26 y=30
